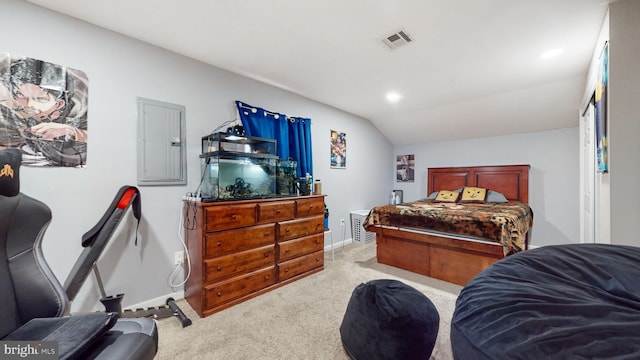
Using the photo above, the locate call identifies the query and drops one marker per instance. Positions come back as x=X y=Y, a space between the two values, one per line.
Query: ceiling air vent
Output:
x=396 y=39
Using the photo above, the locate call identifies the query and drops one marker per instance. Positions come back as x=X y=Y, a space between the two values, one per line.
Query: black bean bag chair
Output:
x=387 y=319
x=572 y=301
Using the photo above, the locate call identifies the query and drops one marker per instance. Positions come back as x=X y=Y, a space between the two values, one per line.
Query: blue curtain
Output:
x=300 y=144
x=292 y=135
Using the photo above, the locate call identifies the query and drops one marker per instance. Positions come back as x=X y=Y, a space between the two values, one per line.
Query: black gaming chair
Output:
x=35 y=307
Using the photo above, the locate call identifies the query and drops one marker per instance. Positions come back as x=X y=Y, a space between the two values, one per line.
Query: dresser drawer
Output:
x=229 y=216
x=234 y=288
x=308 y=207
x=225 y=266
x=276 y=211
x=222 y=242
x=300 y=227
x=294 y=248
x=297 y=266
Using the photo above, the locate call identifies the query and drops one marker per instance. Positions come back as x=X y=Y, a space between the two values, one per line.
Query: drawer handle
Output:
x=266 y=254
x=286 y=270
x=219 y=293
x=278 y=211
x=266 y=277
x=234 y=216
x=219 y=243
x=219 y=268
x=317 y=259
x=317 y=241
x=267 y=234
x=286 y=251
x=286 y=230
x=310 y=207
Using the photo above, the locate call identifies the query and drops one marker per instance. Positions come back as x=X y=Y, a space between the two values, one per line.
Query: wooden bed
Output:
x=453 y=259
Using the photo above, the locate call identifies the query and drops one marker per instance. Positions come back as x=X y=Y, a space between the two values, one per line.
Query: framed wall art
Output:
x=43 y=111
x=338 y=150
x=602 y=140
x=405 y=168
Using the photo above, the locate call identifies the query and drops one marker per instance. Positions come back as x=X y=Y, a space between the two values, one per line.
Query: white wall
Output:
x=617 y=197
x=553 y=178
x=624 y=122
x=121 y=69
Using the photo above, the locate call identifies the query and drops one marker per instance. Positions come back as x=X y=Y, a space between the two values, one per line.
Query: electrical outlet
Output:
x=178 y=258
x=341 y=222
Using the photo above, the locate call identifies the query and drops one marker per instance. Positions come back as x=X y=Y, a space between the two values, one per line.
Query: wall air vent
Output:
x=396 y=39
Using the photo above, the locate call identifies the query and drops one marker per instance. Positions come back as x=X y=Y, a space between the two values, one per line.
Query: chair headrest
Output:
x=10 y=161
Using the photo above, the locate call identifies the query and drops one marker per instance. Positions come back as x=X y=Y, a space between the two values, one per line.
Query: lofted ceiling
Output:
x=473 y=67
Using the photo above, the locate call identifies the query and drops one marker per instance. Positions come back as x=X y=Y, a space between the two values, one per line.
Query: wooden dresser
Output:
x=241 y=249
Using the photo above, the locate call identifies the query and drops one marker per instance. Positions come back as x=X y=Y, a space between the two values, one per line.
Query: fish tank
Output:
x=237 y=168
x=286 y=177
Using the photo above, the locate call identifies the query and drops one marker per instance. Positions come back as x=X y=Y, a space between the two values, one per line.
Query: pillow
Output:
x=492 y=196
x=447 y=196
x=496 y=197
x=473 y=195
x=10 y=161
x=73 y=334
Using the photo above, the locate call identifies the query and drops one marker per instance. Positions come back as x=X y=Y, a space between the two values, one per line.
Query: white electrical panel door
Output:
x=161 y=143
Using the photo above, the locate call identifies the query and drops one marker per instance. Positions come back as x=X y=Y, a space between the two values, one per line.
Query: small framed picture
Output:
x=405 y=168
x=338 y=150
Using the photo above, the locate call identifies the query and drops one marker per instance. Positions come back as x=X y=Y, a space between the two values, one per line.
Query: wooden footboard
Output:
x=452 y=260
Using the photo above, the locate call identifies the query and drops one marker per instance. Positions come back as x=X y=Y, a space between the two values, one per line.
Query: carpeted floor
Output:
x=300 y=320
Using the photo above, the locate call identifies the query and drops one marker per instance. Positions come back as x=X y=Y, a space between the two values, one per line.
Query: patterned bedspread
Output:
x=506 y=223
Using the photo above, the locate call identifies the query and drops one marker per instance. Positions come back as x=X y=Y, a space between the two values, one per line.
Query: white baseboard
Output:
x=159 y=301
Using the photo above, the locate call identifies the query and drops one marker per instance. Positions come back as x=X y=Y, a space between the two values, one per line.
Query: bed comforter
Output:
x=505 y=223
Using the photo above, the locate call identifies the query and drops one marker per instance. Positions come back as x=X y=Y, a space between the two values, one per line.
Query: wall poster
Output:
x=338 y=150
x=405 y=168
x=602 y=141
x=43 y=111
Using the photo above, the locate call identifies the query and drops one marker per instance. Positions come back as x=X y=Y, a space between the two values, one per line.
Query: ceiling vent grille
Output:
x=397 y=39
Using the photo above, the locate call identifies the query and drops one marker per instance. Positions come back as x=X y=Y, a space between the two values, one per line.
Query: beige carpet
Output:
x=300 y=320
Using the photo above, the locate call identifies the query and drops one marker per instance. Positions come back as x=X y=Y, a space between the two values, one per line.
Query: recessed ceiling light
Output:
x=393 y=97
x=551 y=53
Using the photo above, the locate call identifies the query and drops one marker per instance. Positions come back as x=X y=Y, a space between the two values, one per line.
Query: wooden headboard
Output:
x=510 y=180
